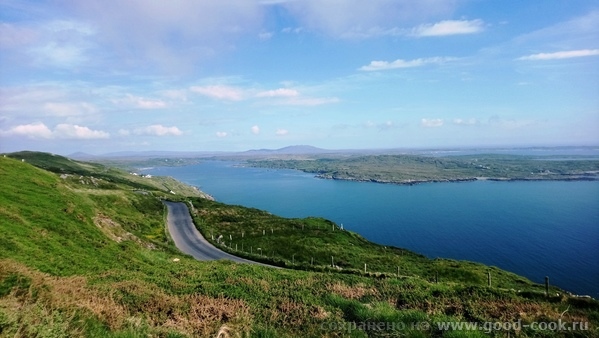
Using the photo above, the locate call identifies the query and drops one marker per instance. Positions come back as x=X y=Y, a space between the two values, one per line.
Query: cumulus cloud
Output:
x=255 y=130
x=64 y=131
x=219 y=92
x=561 y=55
x=33 y=130
x=282 y=132
x=158 y=130
x=73 y=131
x=399 y=63
x=449 y=27
x=431 y=123
x=221 y=134
x=281 y=92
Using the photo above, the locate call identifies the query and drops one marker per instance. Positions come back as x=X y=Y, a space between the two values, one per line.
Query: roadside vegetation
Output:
x=84 y=253
x=410 y=169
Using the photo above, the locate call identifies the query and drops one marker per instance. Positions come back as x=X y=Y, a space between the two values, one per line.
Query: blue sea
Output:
x=534 y=229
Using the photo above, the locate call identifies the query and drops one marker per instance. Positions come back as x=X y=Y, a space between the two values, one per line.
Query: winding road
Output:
x=189 y=240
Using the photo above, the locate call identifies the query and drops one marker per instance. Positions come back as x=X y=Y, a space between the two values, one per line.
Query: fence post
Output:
x=364 y=267
x=489 y=278
x=332 y=263
x=397 y=271
x=546 y=286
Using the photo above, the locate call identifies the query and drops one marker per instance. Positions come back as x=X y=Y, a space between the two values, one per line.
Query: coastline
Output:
x=456 y=180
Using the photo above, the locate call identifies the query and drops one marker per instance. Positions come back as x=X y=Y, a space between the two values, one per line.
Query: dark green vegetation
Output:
x=410 y=169
x=83 y=259
x=318 y=244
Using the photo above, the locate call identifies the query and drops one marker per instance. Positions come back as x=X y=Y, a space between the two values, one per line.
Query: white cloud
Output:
x=380 y=126
x=124 y=132
x=292 y=97
x=449 y=27
x=158 y=130
x=255 y=130
x=282 y=132
x=265 y=36
x=561 y=55
x=73 y=131
x=399 y=63
x=219 y=92
x=431 y=123
x=281 y=92
x=61 y=43
x=141 y=102
x=362 y=19
x=510 y=124
x=64 y=131
x=33 y=130
x=309 y=101
x=63 y=109
x=221 y=134
x=468 y=122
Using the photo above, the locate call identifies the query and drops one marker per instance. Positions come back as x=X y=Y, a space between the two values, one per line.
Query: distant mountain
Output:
x=81 y=156
x=290 y=150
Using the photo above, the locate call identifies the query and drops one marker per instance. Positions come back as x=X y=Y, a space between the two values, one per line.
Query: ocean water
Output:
x=534 y=229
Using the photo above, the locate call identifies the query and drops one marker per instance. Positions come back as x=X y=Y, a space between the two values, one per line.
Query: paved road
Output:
x=189 y=240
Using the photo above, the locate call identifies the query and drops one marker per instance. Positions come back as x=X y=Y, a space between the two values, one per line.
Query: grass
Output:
x=85 y=260
x=319 y=244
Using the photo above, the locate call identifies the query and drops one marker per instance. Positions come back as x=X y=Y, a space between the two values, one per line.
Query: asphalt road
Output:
x=189 y=240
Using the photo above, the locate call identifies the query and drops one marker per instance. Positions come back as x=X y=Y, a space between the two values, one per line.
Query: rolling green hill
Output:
x=84 y=253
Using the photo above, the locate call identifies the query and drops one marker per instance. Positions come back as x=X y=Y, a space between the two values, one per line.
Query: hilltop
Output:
x=84 y=252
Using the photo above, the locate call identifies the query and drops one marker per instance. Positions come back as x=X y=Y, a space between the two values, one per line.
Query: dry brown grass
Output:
x=46 y=296
x=351 y=292
x=54 y=302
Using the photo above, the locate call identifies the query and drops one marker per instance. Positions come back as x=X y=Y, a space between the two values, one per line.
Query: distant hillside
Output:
x=291 y=150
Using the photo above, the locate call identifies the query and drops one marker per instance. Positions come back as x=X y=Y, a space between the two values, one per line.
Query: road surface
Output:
x=189 y=240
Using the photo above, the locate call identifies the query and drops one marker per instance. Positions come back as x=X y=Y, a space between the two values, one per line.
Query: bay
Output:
x=534 y=229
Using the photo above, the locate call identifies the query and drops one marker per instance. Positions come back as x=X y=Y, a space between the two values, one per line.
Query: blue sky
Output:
x=100 y=76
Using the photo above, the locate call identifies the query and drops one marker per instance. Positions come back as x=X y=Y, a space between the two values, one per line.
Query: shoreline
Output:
x=456 y=180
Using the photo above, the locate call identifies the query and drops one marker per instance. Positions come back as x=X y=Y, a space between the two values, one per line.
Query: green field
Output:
x=84 y=253
x=410 y=169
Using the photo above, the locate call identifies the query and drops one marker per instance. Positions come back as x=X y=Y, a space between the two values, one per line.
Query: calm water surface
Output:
x=534 y=229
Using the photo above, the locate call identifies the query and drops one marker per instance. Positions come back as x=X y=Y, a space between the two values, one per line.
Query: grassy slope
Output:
x=79 y=259
x=411 y=168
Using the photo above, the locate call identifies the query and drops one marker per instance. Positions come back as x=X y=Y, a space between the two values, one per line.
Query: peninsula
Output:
x=412 y=169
